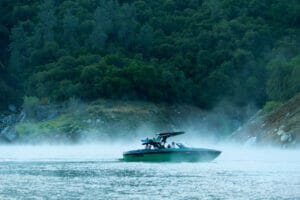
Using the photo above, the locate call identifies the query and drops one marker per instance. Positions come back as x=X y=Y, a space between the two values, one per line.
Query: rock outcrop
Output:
x=280 y=127
x=7 y=125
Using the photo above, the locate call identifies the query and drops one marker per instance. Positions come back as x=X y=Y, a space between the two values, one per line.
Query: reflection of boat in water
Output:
x=157 y=151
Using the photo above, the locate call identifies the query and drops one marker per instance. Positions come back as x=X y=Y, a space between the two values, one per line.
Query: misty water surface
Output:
x=94 y=172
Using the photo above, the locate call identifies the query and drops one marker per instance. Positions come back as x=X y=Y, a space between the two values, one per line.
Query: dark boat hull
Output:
x=171 y=155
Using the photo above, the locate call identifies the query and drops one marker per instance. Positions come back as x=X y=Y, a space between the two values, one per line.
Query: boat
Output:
x=157 y=150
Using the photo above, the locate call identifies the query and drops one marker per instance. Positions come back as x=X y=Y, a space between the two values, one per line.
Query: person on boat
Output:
x=169 y=146
x=173 y=145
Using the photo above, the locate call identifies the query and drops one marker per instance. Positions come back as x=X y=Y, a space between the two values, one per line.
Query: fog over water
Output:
x=113 y=151
x=92 y=171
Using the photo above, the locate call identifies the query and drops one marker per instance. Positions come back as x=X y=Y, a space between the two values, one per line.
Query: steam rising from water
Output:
x=112 y=152
x=94 y=152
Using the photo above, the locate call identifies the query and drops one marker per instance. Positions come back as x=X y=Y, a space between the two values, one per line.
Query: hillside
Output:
x=280 y=127
x=190 y=55
x=75 y=121
x=196 y=52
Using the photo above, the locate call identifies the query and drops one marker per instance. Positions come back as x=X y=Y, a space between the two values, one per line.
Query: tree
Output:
x=18 y=48
x=278 y=80
x=102 y=27
x=44 y=30
x=295 y=76
x=126 y=26
x=70 y=24
x=145 y=39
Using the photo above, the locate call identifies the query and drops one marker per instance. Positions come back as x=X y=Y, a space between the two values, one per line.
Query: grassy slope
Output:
x=106 y=119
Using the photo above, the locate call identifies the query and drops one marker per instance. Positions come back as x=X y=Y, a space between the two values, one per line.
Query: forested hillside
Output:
x=190 y=51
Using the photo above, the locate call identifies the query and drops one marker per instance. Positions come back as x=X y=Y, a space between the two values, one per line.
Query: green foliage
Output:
x=46 y=54
x=295 y=75
x=271 y=106
x=192 y=51
x=62 y=126
x=30 y=106
x=284 y=80
x=23 y=12
x=7 y=96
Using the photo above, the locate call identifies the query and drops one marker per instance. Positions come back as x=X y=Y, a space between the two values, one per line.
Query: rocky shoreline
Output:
x=281 y=127
x=7 y=125
x=74 y=121
x=14 y=116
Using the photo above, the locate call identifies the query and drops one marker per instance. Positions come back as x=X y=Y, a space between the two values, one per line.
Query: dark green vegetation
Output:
x=189 y=51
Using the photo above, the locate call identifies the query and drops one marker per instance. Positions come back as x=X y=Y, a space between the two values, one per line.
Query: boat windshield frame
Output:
x=160 y=140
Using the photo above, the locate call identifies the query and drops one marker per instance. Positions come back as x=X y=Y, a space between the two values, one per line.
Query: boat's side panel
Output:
x=171 y=156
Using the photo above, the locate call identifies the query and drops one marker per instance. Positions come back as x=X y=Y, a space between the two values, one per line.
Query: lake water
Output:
x=93 y=172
